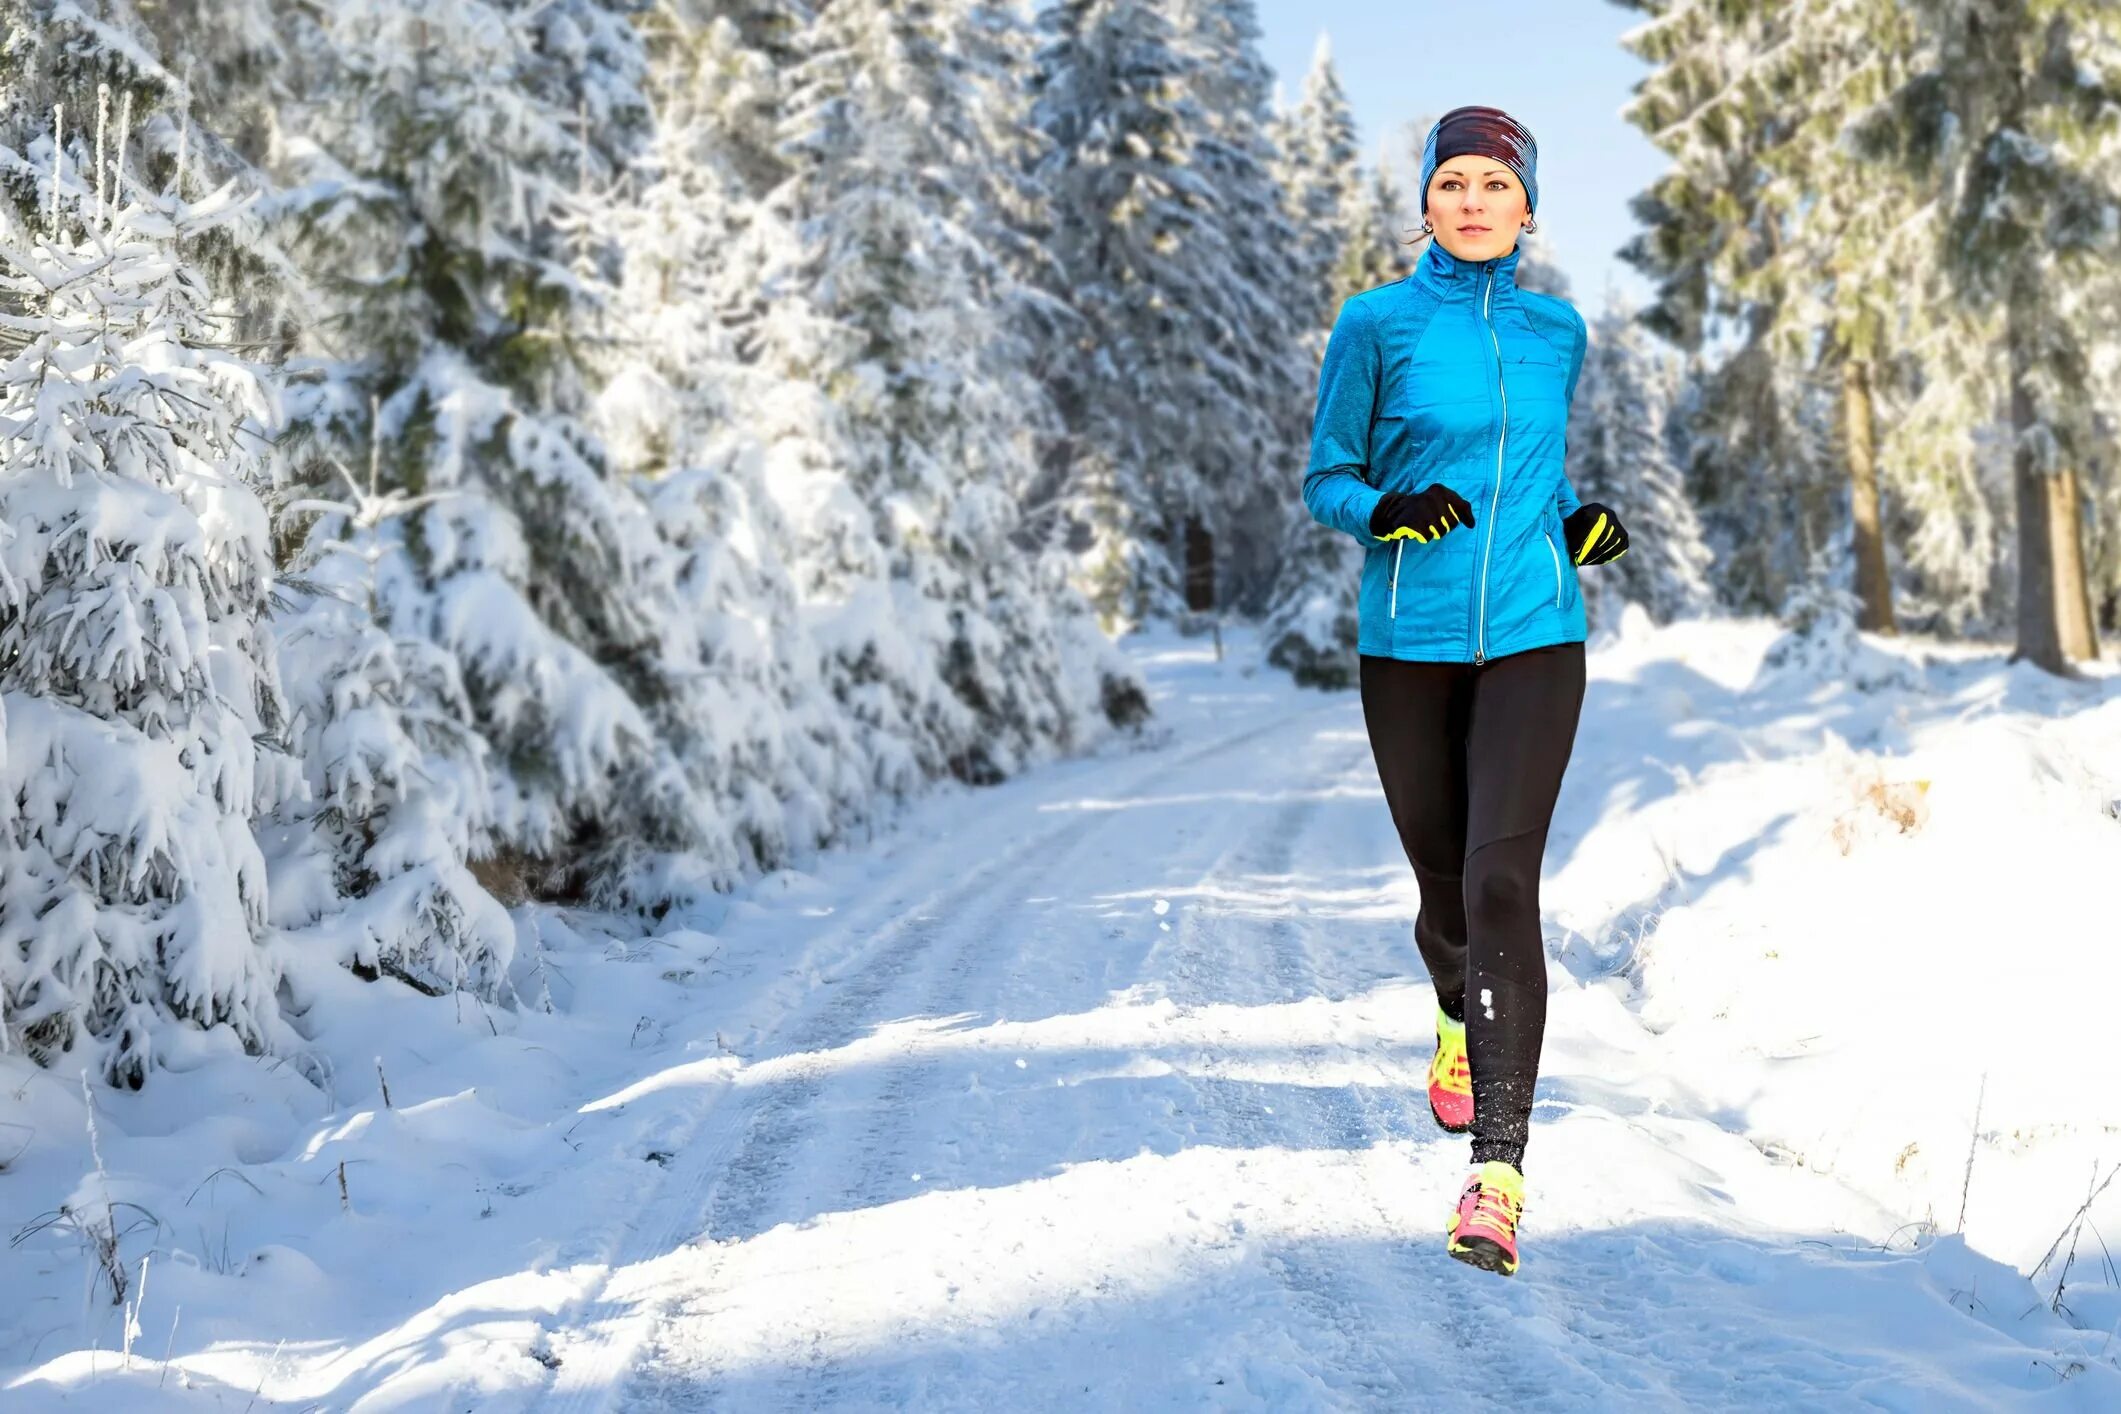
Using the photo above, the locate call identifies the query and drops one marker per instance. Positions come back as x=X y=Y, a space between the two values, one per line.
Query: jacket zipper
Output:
x=1502 y=438
x=1557 y=567
x=1395 y=578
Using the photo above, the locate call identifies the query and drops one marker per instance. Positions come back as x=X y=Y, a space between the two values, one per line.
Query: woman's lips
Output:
x=1472 y=230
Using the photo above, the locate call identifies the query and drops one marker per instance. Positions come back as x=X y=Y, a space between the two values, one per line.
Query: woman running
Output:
x=1442 y=413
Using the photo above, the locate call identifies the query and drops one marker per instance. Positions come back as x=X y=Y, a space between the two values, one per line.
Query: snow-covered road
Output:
x=1103 y=1089
x=1114 y=1099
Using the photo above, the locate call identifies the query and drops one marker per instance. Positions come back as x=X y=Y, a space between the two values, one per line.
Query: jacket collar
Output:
x=1446 y=274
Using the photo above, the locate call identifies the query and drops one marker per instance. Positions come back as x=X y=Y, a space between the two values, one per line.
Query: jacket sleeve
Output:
x=1337 y=490
x=1565 y=498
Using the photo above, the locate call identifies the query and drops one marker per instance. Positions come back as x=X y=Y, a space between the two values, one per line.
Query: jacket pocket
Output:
x=1556 y=556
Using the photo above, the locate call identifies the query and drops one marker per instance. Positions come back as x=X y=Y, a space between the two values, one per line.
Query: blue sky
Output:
x=1556 y=64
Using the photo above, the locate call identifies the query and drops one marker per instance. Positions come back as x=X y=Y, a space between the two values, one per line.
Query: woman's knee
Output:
x=1502 y=887
x=1498 y=894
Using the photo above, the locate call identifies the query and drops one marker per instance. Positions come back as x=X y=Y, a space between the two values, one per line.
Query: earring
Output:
x=1531 y=227
x=1426 y=228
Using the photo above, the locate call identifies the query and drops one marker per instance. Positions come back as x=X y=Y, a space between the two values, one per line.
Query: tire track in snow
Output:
x=1372 y=1305
x=896 y=1121
x=1353 y=1303
x=924 y=980
x=901 y=1110
x=1209 y=950
x=752 y=1134
x=1215 y=947
x=793 y=1117
x=1411 y=1327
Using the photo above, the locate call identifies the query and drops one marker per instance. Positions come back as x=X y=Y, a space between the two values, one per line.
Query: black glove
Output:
x=1595 y=535
x=1423 y=516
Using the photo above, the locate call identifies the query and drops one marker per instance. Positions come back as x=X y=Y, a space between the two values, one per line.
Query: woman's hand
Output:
x=1423 y=516
x=1595 y=535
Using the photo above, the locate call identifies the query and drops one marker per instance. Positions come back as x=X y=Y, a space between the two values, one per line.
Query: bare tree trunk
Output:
x=2073 y=600
x=2039 y=617
x=1200 y=566
x=1873 y=586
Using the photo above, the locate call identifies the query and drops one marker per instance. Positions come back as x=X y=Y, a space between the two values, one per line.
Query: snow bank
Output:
x=1859 y=915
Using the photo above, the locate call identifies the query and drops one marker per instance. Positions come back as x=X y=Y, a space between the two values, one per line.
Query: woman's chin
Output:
x=1478 y=248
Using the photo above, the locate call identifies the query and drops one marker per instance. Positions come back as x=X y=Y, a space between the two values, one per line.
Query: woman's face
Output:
x=1477 y=206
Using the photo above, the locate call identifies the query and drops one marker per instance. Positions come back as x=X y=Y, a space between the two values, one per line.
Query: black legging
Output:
x=1471 y=760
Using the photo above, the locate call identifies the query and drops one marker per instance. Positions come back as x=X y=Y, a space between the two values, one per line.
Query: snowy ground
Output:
x=1103 y=1089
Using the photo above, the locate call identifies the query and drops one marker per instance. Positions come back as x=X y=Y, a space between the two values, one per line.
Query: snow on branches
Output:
x=143 y=717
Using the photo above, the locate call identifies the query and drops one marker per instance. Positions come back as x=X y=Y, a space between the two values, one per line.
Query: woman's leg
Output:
x=1522 y=728
x=1416 y=714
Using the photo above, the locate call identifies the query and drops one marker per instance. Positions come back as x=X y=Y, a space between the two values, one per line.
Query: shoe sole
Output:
x=1484 y=1254
x=1466 y=1128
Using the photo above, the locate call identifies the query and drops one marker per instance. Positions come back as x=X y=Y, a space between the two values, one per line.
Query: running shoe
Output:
x=1483 y=1232
x=1451 y=1077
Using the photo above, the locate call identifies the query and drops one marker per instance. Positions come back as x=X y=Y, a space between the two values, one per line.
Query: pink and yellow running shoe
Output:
x=1483 y=1232
x=1451 y=1077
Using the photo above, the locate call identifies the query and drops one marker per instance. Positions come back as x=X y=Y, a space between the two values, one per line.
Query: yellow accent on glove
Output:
x=1449 y=521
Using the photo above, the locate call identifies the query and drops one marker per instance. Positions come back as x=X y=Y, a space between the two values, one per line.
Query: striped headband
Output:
x=1488 y=132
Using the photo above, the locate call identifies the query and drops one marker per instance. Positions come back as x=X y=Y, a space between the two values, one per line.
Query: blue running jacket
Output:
x=1453 y=375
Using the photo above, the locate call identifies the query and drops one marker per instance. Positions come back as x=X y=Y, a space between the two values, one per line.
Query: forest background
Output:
x=458 y=453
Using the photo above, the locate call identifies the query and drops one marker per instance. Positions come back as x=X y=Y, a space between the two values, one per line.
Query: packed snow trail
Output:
x=1120 y=1104
x=1104 y=1088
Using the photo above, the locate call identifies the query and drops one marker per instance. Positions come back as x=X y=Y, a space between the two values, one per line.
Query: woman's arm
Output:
x=1336 y=489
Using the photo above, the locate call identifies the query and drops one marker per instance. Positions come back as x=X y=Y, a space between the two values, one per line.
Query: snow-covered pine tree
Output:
x=1859 y=304
x=1350 y=227
x=899 y=424
x=1539 y=271
x=722 y=69
x=1378 y=246
x=757 y=732
x=2011 y=108
x=370 y=865
x=997 y=39
x=1840 y=264
x=1069 y=657
x=1826 y=263
x=1321 y=177
x=202 y=77
x=1346 y=220
x=455 y=154
x=1150 y=274
x=231 y=63
x=1264 y=417
x=2102 y=478
x=1619 y=454
x=142 y=716
x=1753 y=428
x=729 y=61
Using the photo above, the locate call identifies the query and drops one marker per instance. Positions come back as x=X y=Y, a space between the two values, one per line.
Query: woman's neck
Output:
x=1439 y=264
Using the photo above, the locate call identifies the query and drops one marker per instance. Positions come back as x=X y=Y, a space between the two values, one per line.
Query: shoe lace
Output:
x=1497 y=1206
x=1451 y=1063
